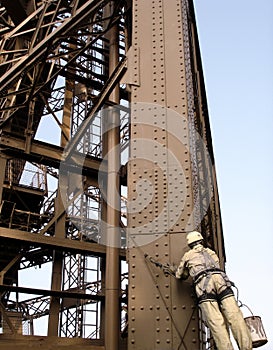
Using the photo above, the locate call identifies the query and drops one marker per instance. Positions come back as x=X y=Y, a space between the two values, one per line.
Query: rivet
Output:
x=151 y=308
x=158 y=341
x=194 y=340
x=133 y=330
x=141 y=307
x=167 y=329
x=157 y=318
x=193 y=330
x=174 y=307
x=158 y=329
x=168 y=341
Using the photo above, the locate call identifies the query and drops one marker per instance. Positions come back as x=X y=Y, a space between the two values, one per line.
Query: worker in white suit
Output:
x=215 y=296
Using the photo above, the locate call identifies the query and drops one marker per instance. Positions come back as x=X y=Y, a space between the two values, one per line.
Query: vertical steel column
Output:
x=3 y=164
x=103 y=226
x=57 y=269
x=163 y=205
x=57 y=265
x=66 y=122
x=56 y=282
x=112 y=280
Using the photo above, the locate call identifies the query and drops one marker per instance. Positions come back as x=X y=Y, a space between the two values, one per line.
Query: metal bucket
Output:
x=254 y=324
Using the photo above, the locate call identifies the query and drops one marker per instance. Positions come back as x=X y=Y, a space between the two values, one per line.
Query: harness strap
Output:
x=205 y=272
x=217 y=297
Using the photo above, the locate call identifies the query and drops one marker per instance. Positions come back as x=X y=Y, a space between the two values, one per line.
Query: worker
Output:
x=215 y=295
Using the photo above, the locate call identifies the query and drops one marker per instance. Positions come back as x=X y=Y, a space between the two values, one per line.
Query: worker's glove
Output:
x=169 y=269
x=184 y=275
x=173 y=269
x=177 y=274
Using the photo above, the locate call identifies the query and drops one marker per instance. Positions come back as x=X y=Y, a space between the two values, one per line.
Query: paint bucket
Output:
x=255 y=325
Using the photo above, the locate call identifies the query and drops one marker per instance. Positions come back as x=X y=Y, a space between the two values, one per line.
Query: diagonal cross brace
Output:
x=41 y=48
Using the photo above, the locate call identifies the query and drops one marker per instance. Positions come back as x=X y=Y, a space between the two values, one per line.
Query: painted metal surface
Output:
x=164 y=170
x=162 y=311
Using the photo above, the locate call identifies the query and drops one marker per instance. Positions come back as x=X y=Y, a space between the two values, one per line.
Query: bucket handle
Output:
x=241 y=305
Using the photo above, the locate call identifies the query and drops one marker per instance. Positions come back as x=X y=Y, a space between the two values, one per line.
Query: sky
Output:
x=235 y=39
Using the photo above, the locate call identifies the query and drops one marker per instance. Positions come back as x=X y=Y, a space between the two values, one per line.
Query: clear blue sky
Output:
x=236 y=40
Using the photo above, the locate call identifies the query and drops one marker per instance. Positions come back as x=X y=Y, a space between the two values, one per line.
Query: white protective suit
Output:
x=216 y=298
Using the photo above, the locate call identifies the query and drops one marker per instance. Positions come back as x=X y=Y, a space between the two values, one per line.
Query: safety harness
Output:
x=206 y=272
x=218 y=297
x=209 y=270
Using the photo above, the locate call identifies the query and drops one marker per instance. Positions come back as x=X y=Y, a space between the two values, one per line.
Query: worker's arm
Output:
x=182 y=270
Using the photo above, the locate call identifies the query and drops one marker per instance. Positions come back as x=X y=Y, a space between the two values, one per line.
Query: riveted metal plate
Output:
x=161 y=310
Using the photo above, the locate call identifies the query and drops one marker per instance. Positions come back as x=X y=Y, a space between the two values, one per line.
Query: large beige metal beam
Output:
x=13 y=342
x=56 y=293
x=48 y=154
x=54 y=242
x=163 y=196
x=112 y=277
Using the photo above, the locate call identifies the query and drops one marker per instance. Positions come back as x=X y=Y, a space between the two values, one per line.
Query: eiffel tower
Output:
x=106 y=159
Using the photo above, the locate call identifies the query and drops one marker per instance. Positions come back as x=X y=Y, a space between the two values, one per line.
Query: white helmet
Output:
x=194 y=236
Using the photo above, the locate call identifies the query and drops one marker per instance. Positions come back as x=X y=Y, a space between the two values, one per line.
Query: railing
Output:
x=21 y=219
x=20 y=172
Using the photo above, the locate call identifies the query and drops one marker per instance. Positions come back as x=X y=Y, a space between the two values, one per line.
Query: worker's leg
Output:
x=237 y=323
x=216 y=323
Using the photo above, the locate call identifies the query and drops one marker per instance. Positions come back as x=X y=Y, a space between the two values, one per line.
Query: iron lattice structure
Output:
x=106 y=157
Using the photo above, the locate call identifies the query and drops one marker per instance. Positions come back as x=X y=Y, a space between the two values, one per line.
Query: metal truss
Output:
x=56 y=43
